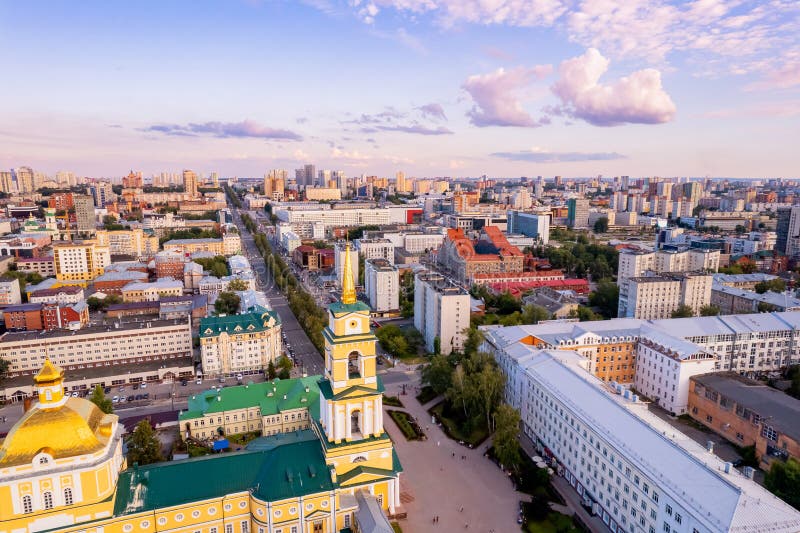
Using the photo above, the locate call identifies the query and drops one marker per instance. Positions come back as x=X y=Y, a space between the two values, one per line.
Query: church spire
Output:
x=348 y=283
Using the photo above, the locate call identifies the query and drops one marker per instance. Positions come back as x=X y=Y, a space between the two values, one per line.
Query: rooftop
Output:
x=781 y=300
x=244 y=323
x=782 y=410
x=124 y=327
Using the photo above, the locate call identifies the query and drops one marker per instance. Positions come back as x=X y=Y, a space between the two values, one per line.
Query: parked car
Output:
x=143 y=386
x=184 y=383
x=130 y=398
x=115 y=399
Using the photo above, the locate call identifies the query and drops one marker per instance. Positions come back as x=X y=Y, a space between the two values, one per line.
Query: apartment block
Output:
x=84 y=214
x=62 y=295
x=133 y=242
x=658 y=296
x=151 y=292
x=632 y=469
x=239 y=344
x=375 y=249
x=731 y=300
x=97 y=346
x=229 y=244
x=441 y=311
x=80 y=260
x=9 y=292
x=382 y=285
x=578 y=213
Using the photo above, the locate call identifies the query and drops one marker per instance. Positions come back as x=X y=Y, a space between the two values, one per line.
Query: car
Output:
x=129 y=398
x=106 y=390
x=184 y=383
x=143 y=386
x=115 y=399
x=122 y=389
x=138 y=397
x=238 y=376
x=74 y=394
x=221 y=380
x=135 y=386
x=199 y=381
x=146 y=396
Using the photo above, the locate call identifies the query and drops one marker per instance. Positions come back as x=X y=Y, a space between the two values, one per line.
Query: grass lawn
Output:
x=392 y=401
x=554 y=523
x=410 y=429
x=243 y=438
x=426 y=395
x=396 y=527
x=196 y=451
x=452 y=426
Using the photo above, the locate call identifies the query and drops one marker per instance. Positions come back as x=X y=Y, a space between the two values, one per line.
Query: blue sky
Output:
x=430 y=87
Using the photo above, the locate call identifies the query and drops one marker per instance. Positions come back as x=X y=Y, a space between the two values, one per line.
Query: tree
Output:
x=506 y=445
x=4 y=368
x=227 y=303
x=271 y=373
x=437 y=345
x=284 y=367
x=709 y=310
x=533 y=314
x=601 y=225
x=774 y=285
x=438 y=374
x=98 y=398
x=606 y=298
x=783 y=480
x=683 y=311
x=237 y=285
x=101 y=304
x=144 y=447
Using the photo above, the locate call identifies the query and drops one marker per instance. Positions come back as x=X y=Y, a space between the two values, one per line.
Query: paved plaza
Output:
x=437 y=481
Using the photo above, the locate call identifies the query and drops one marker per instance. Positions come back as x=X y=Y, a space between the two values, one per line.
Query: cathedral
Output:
x=62 y=467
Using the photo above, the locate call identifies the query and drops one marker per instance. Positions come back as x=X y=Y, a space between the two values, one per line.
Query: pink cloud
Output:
x=638 y=98
x=497 y=96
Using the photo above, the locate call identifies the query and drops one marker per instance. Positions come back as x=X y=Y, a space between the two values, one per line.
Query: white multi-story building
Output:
x=9 y=292
x=535 y=224
x=652 y=297
x=63 y=296
x=96 y=346
x=382 y=285
x=635 y=471
x=290 y=241
x=416 y=243
x=441 y=311
x=239 y=344
x=303 y=219
x=376 y=249
x=80 y=261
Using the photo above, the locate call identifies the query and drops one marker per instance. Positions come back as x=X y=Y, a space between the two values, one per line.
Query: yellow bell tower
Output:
x=351 y=394
x=50 y=386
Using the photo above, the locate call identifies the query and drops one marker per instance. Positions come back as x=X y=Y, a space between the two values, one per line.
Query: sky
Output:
x=504 y=88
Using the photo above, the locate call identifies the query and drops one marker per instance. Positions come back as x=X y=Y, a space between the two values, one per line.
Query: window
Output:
x=678 y=518
x=27 y=504
x=655 y=496
x=67 y=496
x=669 y=509
x=653 y=514
x=228 y=528
x=667 y=529
x=244 y=526
x=47 y=497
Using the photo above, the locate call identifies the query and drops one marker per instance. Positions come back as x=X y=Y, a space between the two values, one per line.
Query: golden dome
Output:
x=76 y=428
x=49 y=373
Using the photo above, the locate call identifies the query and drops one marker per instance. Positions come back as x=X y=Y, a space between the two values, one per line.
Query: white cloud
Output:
x=497 y=96
x=638 y=98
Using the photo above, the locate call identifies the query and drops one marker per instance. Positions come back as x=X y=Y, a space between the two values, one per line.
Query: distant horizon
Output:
x=434 y=87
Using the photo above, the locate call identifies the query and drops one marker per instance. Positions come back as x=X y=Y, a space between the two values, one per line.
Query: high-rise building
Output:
x=536 y=224
x=400 y=182
x=102 y=193
x=24 y=178
x=345 y=255
x=382 y=285
x=691 y=192
x=578 y=213
x=441 y=312
x=80 y=261
x=84 y=214
x=214 y=179
x=310 y=175
x=7 y=181
x=190 y=183
x=133 y=180
x=788 y=230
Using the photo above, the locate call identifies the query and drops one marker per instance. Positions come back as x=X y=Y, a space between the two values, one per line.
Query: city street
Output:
x=306 y=355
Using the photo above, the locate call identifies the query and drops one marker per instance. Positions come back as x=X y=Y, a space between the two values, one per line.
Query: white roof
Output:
x=726 y=502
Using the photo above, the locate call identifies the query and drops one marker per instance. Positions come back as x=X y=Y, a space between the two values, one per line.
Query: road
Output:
x=305 y=353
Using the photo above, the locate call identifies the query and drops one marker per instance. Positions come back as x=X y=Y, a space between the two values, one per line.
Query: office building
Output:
x=658 y=296
x=535 y=224
x=375 y=249
x=382 y=285
x=240 y=344
x=9 y=292
x=578 y=213
x=441 y=312
x=788 y=231
x=80 y=260
x=131 y=242
x=634 y=470
x=84 y=214
x=102 y=193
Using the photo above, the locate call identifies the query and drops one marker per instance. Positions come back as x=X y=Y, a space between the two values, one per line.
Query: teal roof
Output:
x=326 y=390
x=247 y=323
x=268 y=396
x=343 y=339
x=291 y=470
x=340 y=308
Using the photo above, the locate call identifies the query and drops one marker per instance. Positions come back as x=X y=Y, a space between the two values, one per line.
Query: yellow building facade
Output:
x=62 y=468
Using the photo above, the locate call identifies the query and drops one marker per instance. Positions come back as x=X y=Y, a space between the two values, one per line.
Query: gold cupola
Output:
x=50 y=385
x=348 y=283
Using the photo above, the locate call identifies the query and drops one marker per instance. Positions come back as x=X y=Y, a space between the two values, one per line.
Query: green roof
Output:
x=268 y=396
x=343 y=339
x=326 y=390
x=291 y=470
x=246 y=323
x=338 y=308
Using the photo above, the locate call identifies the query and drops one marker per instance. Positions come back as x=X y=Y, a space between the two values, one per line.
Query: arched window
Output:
x=48 y=395
x=68 y=496
x=42 y=460
x=47 y=497
x=27 y=504
x=353 y=365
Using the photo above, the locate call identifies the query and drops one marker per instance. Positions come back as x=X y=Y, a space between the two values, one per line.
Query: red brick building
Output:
x=61 y=201
x=39 y=316
x=23 y=317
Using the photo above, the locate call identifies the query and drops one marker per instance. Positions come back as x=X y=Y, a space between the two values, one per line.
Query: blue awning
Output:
x=221 y=444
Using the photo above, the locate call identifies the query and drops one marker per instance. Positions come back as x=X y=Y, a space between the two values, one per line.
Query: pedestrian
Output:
x=461 y=510
x=454 y=454
x=438 y=443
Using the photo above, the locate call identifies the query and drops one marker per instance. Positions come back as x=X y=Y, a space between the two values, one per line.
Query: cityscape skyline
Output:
x=433 y=88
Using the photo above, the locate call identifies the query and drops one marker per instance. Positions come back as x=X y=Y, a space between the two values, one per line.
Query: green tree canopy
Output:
x=606 y=298
x=783 y=480
x=237 y=285
x=438 y=374
x=227 y=303
x=774 y=285
x=683 y=311
x=601 y=225
x=506 y=429
x=533 y=314
x=709 y=310
x=98 y=398
x=144 y=447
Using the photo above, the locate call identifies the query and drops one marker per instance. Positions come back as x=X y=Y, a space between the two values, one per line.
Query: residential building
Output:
x=62 y=295
x=150 y=292
x=578 y=213
x=747 y=413
x=102 y=193
x=535 y=224
x=269 y=408
x=239 y=344
x=731 y=300
x=84 y=214
x=375 y=249
x=382 y=285
x=9 y=292
x=190 y=183
x=323 y=193
x=306 y=256
x=441 y=312
x=290 y=241
x=560 y=304
x=229 y=244
x=634 y=470
x=131 y=242
x=169 y=265
x=113 y=281
x=77 y=261
x=745 y=282
x=658 y=296
x=96 y=346
x=416 y=243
